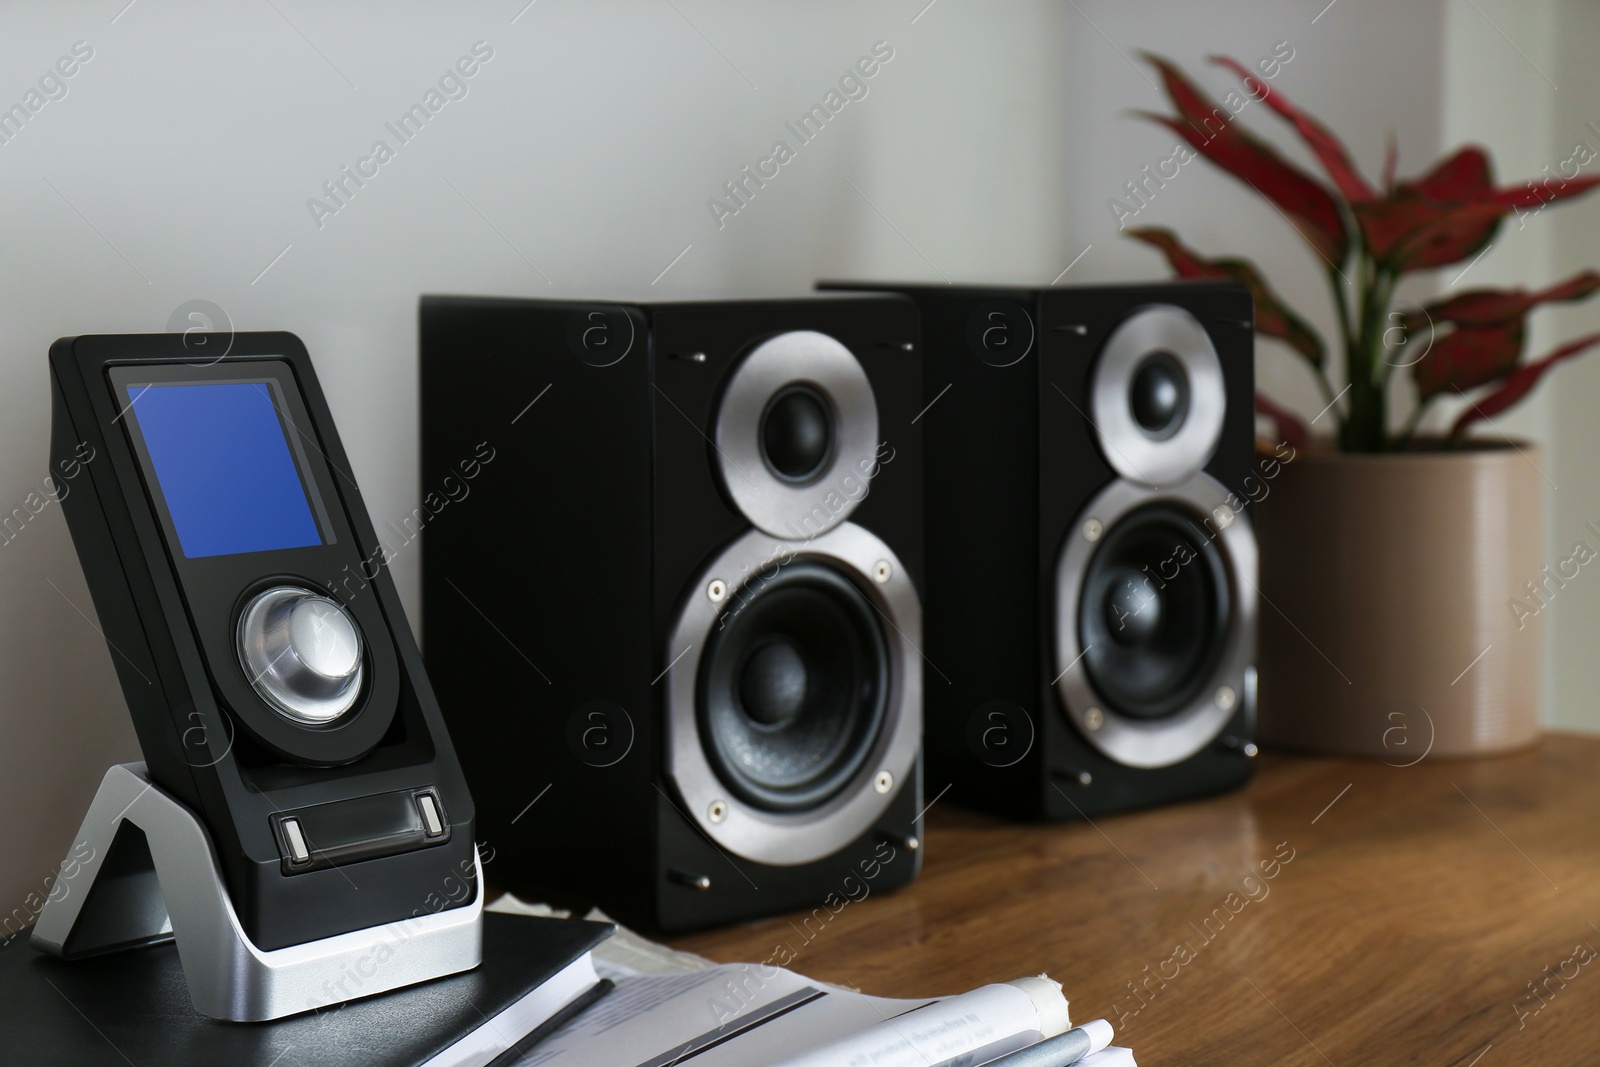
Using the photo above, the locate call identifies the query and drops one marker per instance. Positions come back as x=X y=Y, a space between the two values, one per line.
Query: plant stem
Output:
x=1409 y=430
x=1337 y=281
x=1320 y=375
x=1365 y=429
x=1360 y=395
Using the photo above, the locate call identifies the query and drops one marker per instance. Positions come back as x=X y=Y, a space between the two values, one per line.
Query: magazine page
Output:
x=672 y=1007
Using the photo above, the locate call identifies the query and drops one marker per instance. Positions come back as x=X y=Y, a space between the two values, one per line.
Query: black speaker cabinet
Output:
x=674 y=617
x=1091 y=570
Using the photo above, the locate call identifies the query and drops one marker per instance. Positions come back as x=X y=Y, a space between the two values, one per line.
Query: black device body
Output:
x=554 y=589
x=319 y=827
x=1014 y=459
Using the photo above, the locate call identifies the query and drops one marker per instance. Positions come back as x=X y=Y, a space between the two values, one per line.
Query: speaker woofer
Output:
x=794 y=693
x=793 y=687
x=1155 y=621
x=1154 y=612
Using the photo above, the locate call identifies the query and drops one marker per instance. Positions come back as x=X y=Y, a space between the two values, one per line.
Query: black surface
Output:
x=133 y=1007
x=205 y=735
x=549 y=593
x=1011 y=462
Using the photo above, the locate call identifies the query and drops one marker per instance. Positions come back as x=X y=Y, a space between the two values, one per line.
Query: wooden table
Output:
x=1421 y=908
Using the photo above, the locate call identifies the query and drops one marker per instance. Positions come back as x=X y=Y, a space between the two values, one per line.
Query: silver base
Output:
x=181 y=897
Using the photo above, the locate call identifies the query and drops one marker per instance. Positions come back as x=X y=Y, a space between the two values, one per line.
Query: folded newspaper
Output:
x=675 y=1008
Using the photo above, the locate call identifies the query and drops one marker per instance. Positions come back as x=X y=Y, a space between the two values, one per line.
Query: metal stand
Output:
x=172 y=888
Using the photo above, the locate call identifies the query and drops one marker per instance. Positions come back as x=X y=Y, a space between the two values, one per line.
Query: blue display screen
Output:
x=224 y=465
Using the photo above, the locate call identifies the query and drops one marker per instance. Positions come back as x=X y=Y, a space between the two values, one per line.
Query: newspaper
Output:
x=675 y=1008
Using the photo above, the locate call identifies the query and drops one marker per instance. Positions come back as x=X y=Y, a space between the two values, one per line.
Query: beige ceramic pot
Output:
x=1389 y=624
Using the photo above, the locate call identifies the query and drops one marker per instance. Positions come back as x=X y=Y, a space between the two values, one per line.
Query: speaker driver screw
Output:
x=1092 y=530
x=1085 y=778
x=717 y=590
x=882 y=572
x=884 y=782
x=1224 y=516
x=717 y=811
x=1226 y=698
x=1094 y=718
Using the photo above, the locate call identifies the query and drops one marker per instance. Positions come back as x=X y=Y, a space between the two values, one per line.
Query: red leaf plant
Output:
x=1369 y=238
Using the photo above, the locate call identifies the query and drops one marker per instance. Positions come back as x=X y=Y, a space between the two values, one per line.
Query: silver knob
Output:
x=302 y=652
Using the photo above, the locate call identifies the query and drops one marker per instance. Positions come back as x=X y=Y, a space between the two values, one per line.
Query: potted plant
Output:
x=1401 y=573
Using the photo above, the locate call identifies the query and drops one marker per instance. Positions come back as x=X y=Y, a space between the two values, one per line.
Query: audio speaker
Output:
x=675 y=620
x=1091 y=571
x=286 y=724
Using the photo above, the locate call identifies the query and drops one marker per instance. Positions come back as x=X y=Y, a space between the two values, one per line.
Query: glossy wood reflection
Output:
x=1332 y=912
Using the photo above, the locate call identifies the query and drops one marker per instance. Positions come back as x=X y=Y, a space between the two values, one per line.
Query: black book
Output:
x=133 y=1008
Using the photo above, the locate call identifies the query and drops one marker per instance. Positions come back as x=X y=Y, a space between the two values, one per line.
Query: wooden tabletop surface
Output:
x=1332 y=912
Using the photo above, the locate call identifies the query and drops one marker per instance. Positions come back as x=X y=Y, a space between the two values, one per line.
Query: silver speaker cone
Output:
x=1165 y=347
x=812 y=381
x=1174 y=734
x=733 y=813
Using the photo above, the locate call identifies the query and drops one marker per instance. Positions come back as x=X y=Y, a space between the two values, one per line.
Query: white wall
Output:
x=179 y=164
x=1520 y=79
x=1573 y=696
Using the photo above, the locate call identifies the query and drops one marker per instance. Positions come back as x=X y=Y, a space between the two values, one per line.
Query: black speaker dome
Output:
x=794 y=687
x=773 y=683
x=797 y=433
x=1158 y=395
x=1133 y=608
